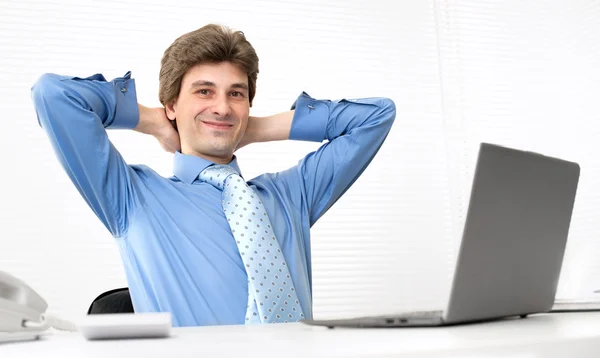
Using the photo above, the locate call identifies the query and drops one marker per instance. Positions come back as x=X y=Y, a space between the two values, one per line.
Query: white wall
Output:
x=527 y=74
x=516 y=73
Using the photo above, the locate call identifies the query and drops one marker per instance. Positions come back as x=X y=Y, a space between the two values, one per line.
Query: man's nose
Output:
x=221 y=106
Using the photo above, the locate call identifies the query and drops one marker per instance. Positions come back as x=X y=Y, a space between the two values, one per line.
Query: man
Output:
x=205 y=244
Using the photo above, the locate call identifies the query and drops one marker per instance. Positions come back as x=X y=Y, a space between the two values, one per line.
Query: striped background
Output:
x=523 y=74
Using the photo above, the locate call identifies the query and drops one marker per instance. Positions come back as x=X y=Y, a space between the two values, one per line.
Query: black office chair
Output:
x=113 y=301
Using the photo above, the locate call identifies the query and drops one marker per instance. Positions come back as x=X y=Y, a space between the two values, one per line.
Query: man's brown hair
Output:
x=209 y=44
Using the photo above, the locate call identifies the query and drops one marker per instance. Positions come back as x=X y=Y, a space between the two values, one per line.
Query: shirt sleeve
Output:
x=74 y=112
x=354 y=130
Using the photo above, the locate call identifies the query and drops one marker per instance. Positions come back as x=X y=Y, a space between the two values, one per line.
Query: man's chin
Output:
x=223 y=153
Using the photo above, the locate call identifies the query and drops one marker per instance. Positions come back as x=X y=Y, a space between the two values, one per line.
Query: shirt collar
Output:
x=187 y=167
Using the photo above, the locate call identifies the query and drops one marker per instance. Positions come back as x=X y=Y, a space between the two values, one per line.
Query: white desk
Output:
x=553 y=335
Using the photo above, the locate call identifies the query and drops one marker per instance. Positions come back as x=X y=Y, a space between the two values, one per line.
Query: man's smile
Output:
x=217 y=125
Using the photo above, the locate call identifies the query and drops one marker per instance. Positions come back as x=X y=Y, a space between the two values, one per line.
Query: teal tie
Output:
x=272 y=297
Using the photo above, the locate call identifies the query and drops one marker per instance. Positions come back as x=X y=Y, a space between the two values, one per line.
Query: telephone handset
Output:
x=23 y=311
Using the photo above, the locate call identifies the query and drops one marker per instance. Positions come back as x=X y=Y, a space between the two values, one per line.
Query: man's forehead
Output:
x=216 y=75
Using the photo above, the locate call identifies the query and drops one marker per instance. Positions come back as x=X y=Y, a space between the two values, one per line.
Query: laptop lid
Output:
x=514 y=236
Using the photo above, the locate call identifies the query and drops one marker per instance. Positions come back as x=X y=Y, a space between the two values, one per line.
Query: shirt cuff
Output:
x=127 y=113
x=310 y=119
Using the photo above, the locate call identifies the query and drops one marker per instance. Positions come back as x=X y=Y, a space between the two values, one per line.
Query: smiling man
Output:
x=207 y=244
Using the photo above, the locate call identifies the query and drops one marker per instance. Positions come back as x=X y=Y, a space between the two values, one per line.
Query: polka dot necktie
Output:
x=271 y=294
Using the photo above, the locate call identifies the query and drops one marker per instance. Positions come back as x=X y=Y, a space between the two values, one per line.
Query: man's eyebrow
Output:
x=240 y=85
x=201 y=83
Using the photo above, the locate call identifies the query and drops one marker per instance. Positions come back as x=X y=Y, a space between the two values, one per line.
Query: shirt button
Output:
x=123 y=89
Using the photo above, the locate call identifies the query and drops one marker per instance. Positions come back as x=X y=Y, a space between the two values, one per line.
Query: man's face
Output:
x=212 y=110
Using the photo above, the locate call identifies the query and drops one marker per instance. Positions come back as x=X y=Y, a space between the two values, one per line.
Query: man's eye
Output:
x=204 y=91
x=237 y=94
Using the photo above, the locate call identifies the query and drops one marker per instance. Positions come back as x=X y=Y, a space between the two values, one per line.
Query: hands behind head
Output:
x=168 y=137
x=154 y=121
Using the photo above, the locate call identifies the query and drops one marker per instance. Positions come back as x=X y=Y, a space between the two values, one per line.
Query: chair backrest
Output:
x=113 y=301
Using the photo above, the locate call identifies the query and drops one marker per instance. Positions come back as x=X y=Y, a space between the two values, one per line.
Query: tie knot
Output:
x=216 y=174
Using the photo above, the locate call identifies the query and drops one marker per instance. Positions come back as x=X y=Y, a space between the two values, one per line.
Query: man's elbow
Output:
x=46 y=91
x=388 y=110
x=47 y=84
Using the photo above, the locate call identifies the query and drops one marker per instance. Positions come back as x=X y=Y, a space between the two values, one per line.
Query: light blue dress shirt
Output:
x=176 y=245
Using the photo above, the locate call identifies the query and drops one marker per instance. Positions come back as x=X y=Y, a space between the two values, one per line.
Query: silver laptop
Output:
x=513 y=242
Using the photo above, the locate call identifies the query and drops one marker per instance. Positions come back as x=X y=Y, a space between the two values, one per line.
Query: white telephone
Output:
x=23 y=311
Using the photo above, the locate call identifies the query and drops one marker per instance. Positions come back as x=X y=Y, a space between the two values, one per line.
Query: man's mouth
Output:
x=218 y=125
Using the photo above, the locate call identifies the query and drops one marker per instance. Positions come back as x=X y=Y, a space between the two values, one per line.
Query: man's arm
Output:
x=355 y=130
x=267 y=129
x=75 y=113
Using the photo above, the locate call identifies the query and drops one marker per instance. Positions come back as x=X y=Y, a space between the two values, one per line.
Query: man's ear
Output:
x=170 y=109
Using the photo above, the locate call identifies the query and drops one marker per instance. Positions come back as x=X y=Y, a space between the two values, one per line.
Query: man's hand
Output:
x=154 y=121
